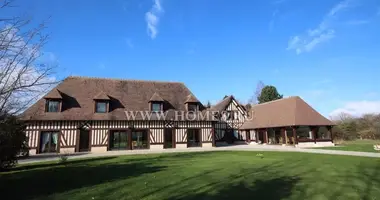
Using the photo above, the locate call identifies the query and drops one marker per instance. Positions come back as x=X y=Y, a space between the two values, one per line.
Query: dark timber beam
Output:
x=295 y=135
x=283 y=135
x=257 y=135
x=314 y=133
x=213 y=136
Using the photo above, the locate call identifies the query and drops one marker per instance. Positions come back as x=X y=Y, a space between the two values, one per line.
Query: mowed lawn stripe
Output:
x=201 y=175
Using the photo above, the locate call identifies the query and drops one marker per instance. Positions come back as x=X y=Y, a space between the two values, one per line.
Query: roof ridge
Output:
x=122 y=79
x=220 y=101
x=290 y=97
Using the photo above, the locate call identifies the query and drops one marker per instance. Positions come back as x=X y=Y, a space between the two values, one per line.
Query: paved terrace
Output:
x=258 y=148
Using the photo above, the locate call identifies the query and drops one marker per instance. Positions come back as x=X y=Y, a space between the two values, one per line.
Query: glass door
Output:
x=193 y=138
x=118 y=140
x=140 y=139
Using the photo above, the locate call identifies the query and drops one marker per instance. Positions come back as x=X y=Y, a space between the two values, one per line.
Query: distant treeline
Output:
x=351 y=128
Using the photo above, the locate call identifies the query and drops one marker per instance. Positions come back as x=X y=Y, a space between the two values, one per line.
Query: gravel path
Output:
x=52 y=157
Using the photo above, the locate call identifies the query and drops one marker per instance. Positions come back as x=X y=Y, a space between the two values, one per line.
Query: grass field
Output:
x=357 y=145
x=207 y=175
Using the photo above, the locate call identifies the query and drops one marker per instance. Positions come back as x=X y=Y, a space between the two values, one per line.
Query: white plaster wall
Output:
x=156 y=146
x=67 y=150
x=207 y=145
x=32 y=152
x=252 y=142
x=98 y=149
x=181 y=146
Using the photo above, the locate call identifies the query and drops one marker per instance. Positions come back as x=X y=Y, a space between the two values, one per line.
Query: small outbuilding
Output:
x=288 y=121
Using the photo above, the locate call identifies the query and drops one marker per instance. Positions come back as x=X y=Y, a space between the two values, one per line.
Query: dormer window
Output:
x=101 y=103
x=156 y=103
x=156 y=106
x=101 y=106
x=53 y=101
x=53 y=105
x=192 y=103
x=192 y=107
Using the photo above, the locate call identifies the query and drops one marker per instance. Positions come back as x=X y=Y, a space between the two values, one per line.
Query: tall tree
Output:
x=269 y=93
x=24 y=76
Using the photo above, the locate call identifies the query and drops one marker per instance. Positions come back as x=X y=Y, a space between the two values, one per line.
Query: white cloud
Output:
x=325 y=31
x=319 y=39
x=30 y=71
x=152 y=18
x=357 y=108
x=339 y=7
x=357 y=22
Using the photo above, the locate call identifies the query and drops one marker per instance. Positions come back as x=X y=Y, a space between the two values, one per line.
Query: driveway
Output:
x=52 y=157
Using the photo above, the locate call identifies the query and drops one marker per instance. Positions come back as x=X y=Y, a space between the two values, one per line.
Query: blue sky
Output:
x=327 y=52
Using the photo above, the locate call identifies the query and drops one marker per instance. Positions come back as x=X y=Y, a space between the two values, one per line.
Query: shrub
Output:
x=63 y=159
x=13 y=141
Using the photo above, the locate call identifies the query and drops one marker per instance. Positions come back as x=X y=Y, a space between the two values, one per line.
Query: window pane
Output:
x=49 y=142
x=192 y=107
x=323 y=133
x=156 y=107
x=139 y=140
x=101 y=107
x=53 y=106
x=230 y=115
x=54 y=142
x=304 y=132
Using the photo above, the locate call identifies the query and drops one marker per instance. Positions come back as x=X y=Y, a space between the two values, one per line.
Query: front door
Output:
x=229 y=136
x=84 y=140
x=169 y=140
x=118 y=140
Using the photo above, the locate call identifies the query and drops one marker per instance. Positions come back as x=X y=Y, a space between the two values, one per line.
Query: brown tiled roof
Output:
x=191 y=99
x=220 y=106
x=156 y=97
x=53 y=94
x=292 y=111
x=101 y=96
x=125 y=95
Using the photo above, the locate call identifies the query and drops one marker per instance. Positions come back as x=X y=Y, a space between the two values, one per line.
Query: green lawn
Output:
x=207 y=175
x=357 y=145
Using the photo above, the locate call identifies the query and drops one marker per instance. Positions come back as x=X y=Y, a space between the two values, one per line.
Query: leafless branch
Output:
x=254 y=99
x=23 y=76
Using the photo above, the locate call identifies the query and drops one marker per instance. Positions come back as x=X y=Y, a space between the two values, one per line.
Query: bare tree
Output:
x=24 y=77
x=254 y=99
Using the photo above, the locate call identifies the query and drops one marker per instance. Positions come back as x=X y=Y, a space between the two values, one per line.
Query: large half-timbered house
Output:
x=98 y=115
